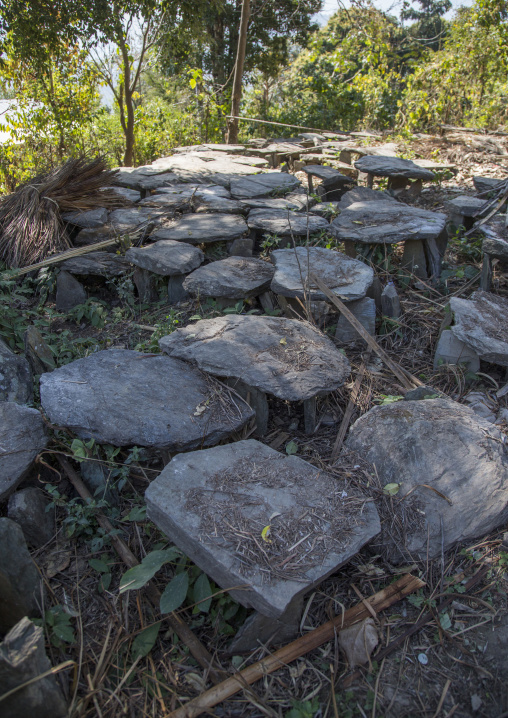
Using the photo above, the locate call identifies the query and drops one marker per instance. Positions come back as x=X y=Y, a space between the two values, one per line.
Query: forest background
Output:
x=131 y=80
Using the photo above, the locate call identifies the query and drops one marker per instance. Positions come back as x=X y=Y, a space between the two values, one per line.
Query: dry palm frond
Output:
x=31 y=227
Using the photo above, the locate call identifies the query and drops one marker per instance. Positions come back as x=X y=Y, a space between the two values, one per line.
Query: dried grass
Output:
x=31 y=225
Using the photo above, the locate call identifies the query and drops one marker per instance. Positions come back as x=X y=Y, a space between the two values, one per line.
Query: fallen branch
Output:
x=406 y=379
x=69 y=254
x=281 y=124
x=349 y=410
x=379 y=601
x=184 y=633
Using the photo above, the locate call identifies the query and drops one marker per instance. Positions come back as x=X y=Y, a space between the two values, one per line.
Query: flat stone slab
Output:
x=126 y=398
x=465 y=205
x=284 y=357
x=99 y=264
x=234 y=278
x=486 y=184
x=87 y=220
x=325 y=209
x=386 y=222
x=22 y=437
x=285 y=222
x=363 y=194
x=263 y=185
x=16 y=381
x=382 y=166
x=133 y=218
x=199 y=228
x=216 y=506
x=495 y=241
x=482 y=323
x=447 y=447
x=131 y=195
x=292 y=201
x=329 y=175
x=348 y=278
x=166 y=257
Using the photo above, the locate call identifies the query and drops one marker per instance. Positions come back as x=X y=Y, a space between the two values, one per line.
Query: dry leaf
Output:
x=56 y=561
x=265 y=533
x=359 y=641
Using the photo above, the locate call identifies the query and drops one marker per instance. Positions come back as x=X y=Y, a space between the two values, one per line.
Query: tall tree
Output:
x=429 y=26
x=237 y=81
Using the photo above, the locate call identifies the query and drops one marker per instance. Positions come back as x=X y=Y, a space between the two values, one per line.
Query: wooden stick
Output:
x=184 y=633
x=281 y=124
x=383 y=599
x=406 y=379
x=69 y=254
x=349 y=411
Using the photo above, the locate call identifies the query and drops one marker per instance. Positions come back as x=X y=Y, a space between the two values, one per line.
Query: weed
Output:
x=94 y=310
x=270 y=241
x=57 y=624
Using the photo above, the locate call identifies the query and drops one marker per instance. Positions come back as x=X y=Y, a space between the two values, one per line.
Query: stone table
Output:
x=388 y=222
x=97 y=264
x=287 y=358
x=363 y=194
x=165 y=258
x=203 y=228
x=397 y=170
x=464 y=209
x=334 y=183
x=482 y=323
x=263 y=185
x=232 y=279
x=126 y=398
x=285 y=223
x=215 y=505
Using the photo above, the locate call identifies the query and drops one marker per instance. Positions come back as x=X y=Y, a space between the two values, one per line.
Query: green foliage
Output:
x=303 y=709
x=145 y=641
x=138 y=576
x=94 y=310
x=57 y=623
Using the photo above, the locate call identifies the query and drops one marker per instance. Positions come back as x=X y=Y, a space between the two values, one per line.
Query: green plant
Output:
x=303 y=709
x=57 y=624
x=270 y=241
x=103 y=567
x=94 y=310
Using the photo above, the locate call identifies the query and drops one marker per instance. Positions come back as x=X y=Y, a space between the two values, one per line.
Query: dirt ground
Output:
x=456 y=664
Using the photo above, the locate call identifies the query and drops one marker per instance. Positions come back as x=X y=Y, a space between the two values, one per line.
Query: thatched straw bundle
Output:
x=31 y=227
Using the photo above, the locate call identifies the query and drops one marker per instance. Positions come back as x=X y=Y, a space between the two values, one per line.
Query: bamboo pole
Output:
x=378 y=602
x=407 y=380
x=282 y=124
x=69 y=254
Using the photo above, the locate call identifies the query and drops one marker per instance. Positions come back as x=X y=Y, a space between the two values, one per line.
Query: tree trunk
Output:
x=237 y=83
x=128 y=124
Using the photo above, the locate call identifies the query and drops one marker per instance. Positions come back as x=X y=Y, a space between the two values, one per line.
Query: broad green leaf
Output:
x=175 y=593
x=137 y=577
x=145 y=641
x=291 y=448
x=138 y=513
x=202 y=591
x=98 y=565
x=391 y=489
x=445 y=621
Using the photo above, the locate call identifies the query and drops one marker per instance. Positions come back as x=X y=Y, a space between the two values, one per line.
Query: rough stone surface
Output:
x=495 y=242
x=365 y=311
x=284 y=357
x=99 y=264
x=20 y=583
x=166 y=257
x=326 y=209
x=39 y=355
x=444 y=445
x=291 y=201
x=22 y=659
x=234 y=277
x=285 y=223
x=450 y=350
x=86 y=237
x=28 y=508
x=485 y=184
x=329 y=175
x=241 y=247
x=259 y=630
x=131 y=195
x=90 y=219
x=465 y=205
x=249 y=483
x=363 y=194
x=482 y=323
x=198 y=228
x=392 y=167
x=126 y=398
x=390 y=302
x=263 y=185
x=69 y=292
x=16 y=383
x=348 y=278
x=386 y=222
x=133 y=219
x=22 y=437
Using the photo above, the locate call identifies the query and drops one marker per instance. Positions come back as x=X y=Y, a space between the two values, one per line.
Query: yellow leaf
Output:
x=283 y=340
x=265 y=533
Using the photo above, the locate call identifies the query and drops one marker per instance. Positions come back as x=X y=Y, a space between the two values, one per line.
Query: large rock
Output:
x=465 y=205
x=284 y=357
x=487 y=184
x=30 y=509
x=435 y=449
x=386 y=222
x=270 y=183
x=392 y=167
x=292 y=201
x=166 y=257
x=285 y=223
x=199 y=228
x=69 y=292
x=252 y=517
x=20 y=583
x=134 y=219
x=495 y=241
x=363 y=194
x=234 y=278
x=23 y=660
x=100 y=264
x=482 y=323
x=16 y=382
x=22 y=437
x=126 y=398
x=89 y=219
x=348 y=278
